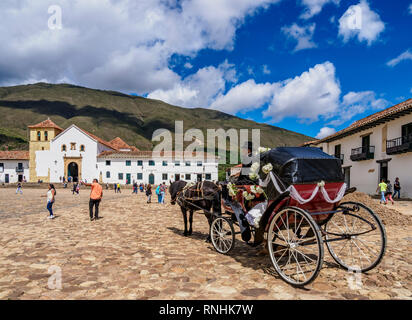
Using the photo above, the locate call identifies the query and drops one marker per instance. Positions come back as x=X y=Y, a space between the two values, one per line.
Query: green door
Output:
x=151 y=178
x=128 y=178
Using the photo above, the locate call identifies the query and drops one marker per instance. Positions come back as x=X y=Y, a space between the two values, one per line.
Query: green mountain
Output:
x=109 y=114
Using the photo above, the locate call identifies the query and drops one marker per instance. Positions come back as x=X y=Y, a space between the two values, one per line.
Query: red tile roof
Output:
x=14 y=155
x=46 y=124
x=118 y=144
x=376 y=118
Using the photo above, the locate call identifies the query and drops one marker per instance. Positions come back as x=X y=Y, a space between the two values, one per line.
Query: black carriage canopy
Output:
x=295 y=165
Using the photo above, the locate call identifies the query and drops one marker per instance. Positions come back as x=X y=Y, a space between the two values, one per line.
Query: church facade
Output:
x=75 y=154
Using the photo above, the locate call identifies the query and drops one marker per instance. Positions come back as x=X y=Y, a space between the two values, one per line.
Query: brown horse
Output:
x=201 y=196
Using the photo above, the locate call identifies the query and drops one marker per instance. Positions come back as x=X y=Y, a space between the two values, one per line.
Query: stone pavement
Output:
x=137 y=251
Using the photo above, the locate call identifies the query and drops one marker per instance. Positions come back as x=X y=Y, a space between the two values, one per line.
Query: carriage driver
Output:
x=243 y=178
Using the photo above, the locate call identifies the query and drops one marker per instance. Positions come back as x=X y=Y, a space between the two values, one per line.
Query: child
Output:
x=19 y=188
x=159 y=196
x=149 y=193
x=382 y=187
x=388 y=194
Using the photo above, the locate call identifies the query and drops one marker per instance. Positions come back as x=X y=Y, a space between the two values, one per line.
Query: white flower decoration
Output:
x=255 y=167
x=259 y=190
x=253 y=175
x=248 y=196
x=267 y=168
x=321 y=184
x=232 y=189
x=263 y=149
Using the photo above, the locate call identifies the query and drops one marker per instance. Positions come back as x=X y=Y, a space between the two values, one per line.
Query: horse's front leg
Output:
x=209 y=220
x=190 y=222
x=184 y=212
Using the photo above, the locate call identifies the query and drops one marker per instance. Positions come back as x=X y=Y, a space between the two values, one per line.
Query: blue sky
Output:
x=311 y=66
x=359 y=66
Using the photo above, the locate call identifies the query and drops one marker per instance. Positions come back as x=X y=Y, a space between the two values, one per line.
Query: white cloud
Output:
x=188 y=65
x=360 y=22
x=313 y=7
x=101 y=40
x=265 y=69
x=407 y=55
x=303 y=35
x=243 y=97
x=199 y=89
x=313 y=94
x=250 y=71
x=354 y=103
x=325 y=132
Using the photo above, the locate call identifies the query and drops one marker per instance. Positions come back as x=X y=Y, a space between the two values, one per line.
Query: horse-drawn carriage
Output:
x=294 y=205
x=296 y=208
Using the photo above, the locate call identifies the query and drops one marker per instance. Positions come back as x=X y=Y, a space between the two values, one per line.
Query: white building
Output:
x=376 y=147
x=56 y=153
x=14 y=166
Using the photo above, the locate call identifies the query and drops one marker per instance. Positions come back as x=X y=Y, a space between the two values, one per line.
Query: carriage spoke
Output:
x=360 y=250
x=304 y=255
x=367 y=247
x=298 y=264
x=277 y=261
x=345 y=243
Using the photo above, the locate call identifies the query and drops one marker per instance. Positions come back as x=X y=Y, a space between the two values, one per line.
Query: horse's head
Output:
x=174 y=190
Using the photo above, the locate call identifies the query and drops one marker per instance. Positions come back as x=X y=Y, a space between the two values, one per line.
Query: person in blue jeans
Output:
x=397 y=188
x=51 y=194
x=382 y=187
x=159 y=196
x=162 y=193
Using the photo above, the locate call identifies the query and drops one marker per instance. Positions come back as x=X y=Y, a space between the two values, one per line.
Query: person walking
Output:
x=50 y=195
x=162 y=193
x=96 y=195
x=19 y=188
x=115 y=187
x=159 y=196
x=382 y=187
x=149 y=193
x=134 y=188
x=76 y=188
x=397 y=188
x=118 y=188
x=388 y=193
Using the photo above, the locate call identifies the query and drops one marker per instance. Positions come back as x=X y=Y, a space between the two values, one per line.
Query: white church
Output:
x=75 y=154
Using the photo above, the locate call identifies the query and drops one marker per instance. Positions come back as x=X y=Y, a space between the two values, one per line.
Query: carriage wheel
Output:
x=222 y=235
x=295 y=246
x=364 y=243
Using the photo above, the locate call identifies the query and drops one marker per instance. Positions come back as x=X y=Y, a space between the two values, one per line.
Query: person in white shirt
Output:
x=51 y=194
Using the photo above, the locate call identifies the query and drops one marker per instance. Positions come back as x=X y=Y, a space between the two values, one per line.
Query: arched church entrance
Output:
x=73 y=171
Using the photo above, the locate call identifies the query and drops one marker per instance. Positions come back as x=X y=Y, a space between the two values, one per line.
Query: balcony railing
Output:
x=363 y=153
x=19 y=169
x=399 y=145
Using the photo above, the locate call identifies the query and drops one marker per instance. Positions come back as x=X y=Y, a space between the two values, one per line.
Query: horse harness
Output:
x=188 y=194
